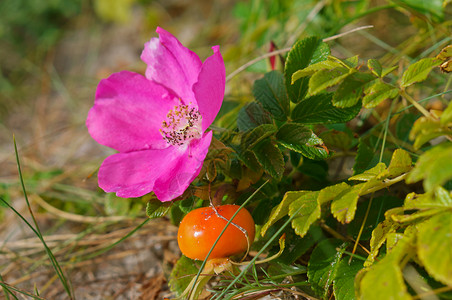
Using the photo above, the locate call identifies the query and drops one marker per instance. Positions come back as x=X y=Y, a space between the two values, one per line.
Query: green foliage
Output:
x=270 y=92
x=324 y=264
x=304 y=53
x=418 y=71
x=182 y=274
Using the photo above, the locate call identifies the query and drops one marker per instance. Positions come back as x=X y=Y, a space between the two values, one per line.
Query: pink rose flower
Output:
x=157 y=122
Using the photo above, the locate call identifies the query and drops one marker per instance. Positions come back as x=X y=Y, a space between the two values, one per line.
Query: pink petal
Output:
x=171 y=64
x=209 y=90
x=128 y=112
x=182 y=172
x=168 y=172
x=133 y=174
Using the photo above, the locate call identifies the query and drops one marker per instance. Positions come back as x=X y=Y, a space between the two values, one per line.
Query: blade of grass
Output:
x=6 y=291
x=7 y=286
x=37 y=231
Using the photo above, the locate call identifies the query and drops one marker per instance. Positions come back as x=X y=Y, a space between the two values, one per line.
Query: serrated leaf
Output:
x=311 y=69
x=305 y=210
x=344 y=281
x=270 y=158
x=250 y=160
x=261 y=132
x=402 y=218
x=323 y=265
x=331 y=192
x=370 y=174
x=377 y=93
x=400 y=163
x=344 y=205
x=434 y=167
x=437 y=199
x=324 y=79
x=349 y=92
x=418 y=71
x=282 y=209
x=365 y=157
x=379 y=235
x=307 y=51
x=386 y=71
x=375 y=66
x=386 y=276
x=434 y=246
x=271 y=93
x=292 y=134
x=181 y=275
x=318 y=109
x=251 y=116
x=313 y=152
x=157 y=209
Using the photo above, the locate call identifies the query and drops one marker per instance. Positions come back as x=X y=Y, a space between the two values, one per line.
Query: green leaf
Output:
x=261 y=132
x=400 y=163
x=305 y=210
x=182 y=274
x=270 y=158
x=251 y=116
x=323 y=265
x=311 y=69
x=319 y=110
x=365 y=158
x=446 y=116
x=426 y=129
x=441 y=198
x=377 y=93
x=271 y=93
x=344 y=281
x=375 y=66
x=282 y=209
x=292 y=135
x=418 y=71
x=370 y=174
x=386 y=276
x=434 y=246
x=303 y=53
x=157 y=209
x=313 y=152
x=379 y=235
x=324 y=79
x=349 y=92
x=434 y=167
x=331 y=192
x=344 y=205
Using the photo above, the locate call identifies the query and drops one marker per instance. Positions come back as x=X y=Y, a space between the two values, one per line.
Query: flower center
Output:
x=182 y=125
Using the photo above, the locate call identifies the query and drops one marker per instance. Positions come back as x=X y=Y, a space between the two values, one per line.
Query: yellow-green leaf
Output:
x=370 y=174
x=378 y=92
x=305 y=210
x=343 y=206
x=386 y=275
x=282 y=209
x=434 y=246
x=311 y=69
x=418 y=71
x=324 y=79
x=434 y=167
x=400 y=163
